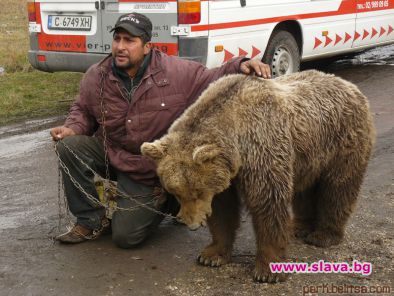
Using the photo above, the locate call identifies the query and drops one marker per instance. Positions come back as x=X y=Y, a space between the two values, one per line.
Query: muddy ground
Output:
x=32 y=264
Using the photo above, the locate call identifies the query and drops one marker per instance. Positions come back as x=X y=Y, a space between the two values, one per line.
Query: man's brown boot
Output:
x=78 y=233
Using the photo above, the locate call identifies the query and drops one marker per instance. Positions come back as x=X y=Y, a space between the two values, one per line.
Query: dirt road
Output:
x=32 y=264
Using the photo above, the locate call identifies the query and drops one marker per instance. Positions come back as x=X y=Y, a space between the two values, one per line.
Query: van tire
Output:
x=282 y=54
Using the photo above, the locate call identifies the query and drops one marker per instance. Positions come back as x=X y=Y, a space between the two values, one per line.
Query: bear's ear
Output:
x=204 y=153
x=155 y=150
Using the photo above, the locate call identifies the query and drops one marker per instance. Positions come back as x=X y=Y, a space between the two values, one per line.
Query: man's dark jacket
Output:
x=168 y=87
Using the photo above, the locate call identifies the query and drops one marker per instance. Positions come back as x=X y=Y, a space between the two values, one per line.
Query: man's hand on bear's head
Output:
x=257 y=67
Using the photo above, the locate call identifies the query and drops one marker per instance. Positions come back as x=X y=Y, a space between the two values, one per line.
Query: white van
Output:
x=70 y=35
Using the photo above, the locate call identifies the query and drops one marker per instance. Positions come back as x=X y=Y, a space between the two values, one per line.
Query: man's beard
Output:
x=127 y=66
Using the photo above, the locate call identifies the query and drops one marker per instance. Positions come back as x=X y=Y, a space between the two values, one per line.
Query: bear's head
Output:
x=193 y=175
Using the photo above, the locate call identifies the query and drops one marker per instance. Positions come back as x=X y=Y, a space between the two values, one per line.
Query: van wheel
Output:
x=282 y=54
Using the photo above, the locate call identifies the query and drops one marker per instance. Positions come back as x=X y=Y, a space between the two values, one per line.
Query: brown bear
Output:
x=290 y=149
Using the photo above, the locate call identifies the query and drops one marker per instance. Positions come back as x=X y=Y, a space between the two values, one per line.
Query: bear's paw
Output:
x=301 y=231
x=214 y=257
x=323 y=239
x=263 y=274
x=214 y=261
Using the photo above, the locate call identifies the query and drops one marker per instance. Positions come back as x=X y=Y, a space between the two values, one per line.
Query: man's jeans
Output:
x=129 y=228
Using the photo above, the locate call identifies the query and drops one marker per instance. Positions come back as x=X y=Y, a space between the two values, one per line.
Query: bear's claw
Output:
x=215 y=261
x=268 y=277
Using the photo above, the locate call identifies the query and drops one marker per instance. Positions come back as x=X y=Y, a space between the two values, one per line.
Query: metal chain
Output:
x=76 y=184
x=62 y=201
x=119 y=193
x=91 y=198
x=59 y=198
x=107 y=176
x=101 y=96
x=103 y=124
x=95 y=173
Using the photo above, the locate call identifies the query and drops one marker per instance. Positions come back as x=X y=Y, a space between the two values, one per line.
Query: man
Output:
x=129 y=98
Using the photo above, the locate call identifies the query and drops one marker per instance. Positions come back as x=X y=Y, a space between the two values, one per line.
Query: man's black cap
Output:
x=135 y=24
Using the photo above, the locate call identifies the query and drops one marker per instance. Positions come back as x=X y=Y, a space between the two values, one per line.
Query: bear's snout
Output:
x=193 y=224
x=196 y=226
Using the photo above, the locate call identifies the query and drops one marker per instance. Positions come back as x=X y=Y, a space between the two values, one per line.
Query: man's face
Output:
x=128 y=51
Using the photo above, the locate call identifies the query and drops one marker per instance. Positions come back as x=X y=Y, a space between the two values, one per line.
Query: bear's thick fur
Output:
x=294 y=146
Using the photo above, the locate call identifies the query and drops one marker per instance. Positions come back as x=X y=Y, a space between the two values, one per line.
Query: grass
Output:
x=26 y=93
x=14 y=36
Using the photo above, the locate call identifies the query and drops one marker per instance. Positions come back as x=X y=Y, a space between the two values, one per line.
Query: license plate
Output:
x=69 y=22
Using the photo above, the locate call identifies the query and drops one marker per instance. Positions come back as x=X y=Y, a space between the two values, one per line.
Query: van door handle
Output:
x=243 y=3
x=97 y=5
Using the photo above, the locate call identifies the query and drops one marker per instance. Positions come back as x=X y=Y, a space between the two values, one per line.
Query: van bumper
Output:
x=63 y=61
x=194 y=49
